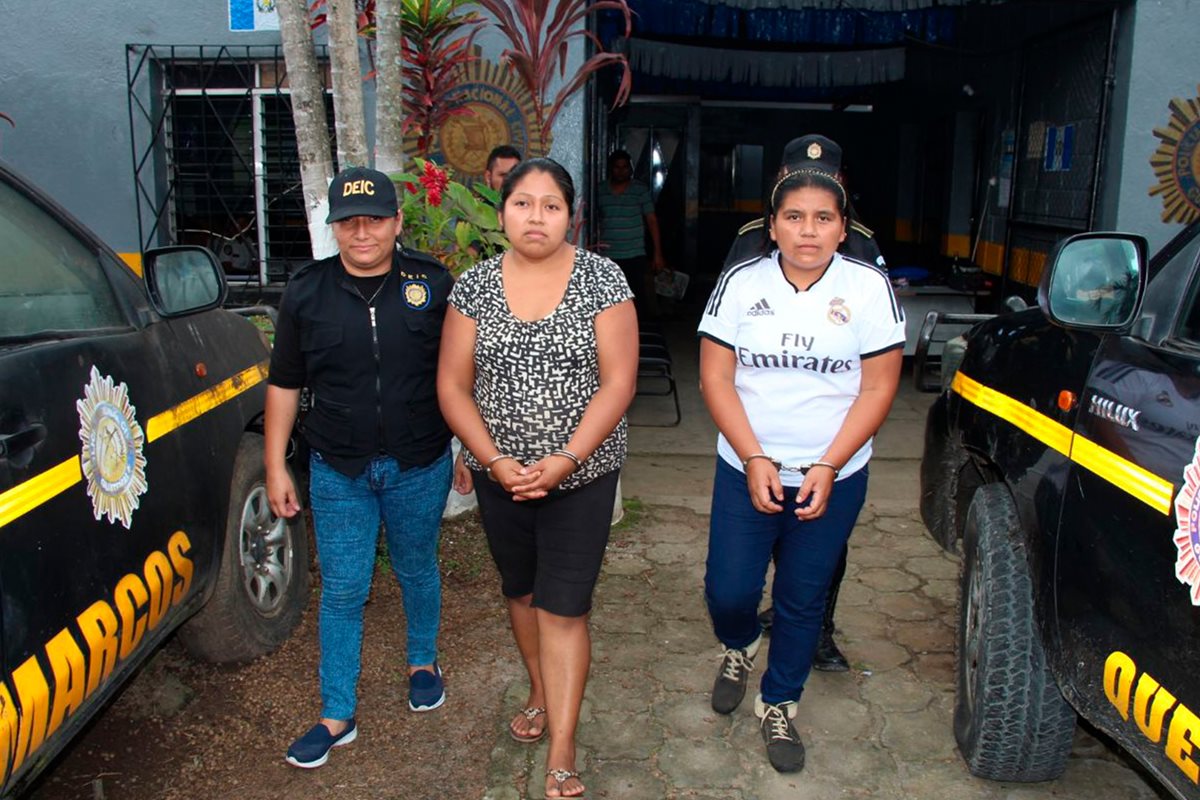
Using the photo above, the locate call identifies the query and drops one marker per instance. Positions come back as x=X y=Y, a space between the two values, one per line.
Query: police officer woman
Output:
x=361 y=331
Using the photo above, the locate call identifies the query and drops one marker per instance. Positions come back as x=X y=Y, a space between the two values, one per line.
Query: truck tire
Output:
x=1010 y=719
x=262 y=587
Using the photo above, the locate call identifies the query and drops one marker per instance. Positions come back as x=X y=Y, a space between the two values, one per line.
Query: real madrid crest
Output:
x=114 y=465
x=814 y=151
x=1187 y=534
x=416 y=294
x=1176 y=162
x=839 y=313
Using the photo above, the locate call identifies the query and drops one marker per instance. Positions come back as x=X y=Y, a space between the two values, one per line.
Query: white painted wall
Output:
x=1159 y=61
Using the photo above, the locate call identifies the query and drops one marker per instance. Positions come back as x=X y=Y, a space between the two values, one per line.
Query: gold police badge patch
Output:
x=114 y=465
x=416 y=294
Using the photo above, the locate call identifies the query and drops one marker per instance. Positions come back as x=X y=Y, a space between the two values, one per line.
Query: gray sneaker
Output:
x=785 y=751
x=730 y=686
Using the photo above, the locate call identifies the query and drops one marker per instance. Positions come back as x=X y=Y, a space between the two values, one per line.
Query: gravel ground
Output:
x=184 y=730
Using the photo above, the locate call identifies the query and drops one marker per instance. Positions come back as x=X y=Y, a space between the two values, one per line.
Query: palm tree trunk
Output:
x=349 y=122
x=389 y=117
x=308 y=116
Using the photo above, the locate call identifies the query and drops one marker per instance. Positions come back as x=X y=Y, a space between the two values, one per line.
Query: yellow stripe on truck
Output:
x=26 y=496
x=1142 y=484
x=171 y=419
x=1050 y=433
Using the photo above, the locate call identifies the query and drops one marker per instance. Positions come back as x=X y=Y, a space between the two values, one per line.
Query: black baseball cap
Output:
x=361 y=192
x=813 y=152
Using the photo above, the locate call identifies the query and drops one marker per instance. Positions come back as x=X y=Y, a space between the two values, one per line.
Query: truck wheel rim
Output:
x=266 y=554
x=971 y=614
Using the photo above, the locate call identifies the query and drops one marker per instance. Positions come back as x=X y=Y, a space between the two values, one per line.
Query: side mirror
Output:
x=183 y=279
x=1094 y=281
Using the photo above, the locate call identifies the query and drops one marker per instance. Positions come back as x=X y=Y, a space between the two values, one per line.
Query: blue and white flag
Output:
x=1060 y=147
x=253 y=15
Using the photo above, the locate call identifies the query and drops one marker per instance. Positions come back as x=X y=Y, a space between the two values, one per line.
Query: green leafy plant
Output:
x=456 y=225
x=539 y=45
x=438 y=37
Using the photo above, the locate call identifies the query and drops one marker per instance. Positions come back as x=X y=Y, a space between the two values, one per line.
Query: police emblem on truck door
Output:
x=114 y=465
x=1187 y=534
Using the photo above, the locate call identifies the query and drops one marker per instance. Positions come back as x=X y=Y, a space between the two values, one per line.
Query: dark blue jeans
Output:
x=741 y=544
x=346 y=515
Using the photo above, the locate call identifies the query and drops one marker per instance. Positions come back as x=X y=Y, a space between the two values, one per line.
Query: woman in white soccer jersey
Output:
x=800 y=359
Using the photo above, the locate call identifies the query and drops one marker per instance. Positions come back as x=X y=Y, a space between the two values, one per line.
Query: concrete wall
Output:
x=63 y=81
x=1162 y=63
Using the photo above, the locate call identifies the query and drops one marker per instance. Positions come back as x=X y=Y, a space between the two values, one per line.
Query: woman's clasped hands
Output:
x=532 y=481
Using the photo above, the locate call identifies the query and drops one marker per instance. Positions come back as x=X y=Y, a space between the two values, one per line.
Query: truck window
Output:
x=50 y=281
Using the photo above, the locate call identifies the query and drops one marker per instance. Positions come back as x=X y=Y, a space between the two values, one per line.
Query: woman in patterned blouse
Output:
x=538 y=364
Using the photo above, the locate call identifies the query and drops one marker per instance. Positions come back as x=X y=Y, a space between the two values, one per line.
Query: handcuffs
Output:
x=779 y=465
x=567 y=454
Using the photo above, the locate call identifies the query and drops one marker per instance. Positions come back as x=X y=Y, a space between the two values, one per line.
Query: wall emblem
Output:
x=1176 y=162
x=501 y=113
x=114 y=466
x=1187 y=535
x=839 y=313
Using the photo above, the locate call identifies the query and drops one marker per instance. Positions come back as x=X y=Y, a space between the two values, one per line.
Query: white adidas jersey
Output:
x=799 y=354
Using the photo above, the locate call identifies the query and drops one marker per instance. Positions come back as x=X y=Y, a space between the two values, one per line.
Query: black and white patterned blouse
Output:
x=533 y=380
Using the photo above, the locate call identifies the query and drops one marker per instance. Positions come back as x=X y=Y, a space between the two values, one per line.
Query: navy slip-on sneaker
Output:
x=312 y=749
x=426 y=690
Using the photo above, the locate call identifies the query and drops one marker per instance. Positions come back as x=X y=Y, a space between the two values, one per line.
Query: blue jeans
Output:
x=741 y=543
x=346 y=514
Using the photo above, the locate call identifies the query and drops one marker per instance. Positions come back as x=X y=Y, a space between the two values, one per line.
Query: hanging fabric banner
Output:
x=847 y=5
x=769 y=69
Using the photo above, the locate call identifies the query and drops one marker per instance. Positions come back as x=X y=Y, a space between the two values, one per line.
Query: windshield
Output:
x=50 y=281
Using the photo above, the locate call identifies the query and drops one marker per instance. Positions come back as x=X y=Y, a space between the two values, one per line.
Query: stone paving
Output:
x=882 y=730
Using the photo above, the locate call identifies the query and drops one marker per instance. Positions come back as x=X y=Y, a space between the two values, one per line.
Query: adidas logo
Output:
x=761 y=309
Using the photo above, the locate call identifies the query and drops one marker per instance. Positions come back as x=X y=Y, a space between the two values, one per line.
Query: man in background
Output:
x=500 y=162
x=626 y=214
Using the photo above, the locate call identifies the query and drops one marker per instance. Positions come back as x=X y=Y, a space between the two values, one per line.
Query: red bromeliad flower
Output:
x=435 y=179
x=435 y=182
x=411 y=187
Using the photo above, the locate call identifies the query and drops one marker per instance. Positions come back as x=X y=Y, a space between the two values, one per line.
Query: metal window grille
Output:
x=1062 y=112
x=214 y=155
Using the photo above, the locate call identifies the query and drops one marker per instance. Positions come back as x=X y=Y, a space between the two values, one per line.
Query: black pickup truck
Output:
x=132 y=493
x=1063 y=453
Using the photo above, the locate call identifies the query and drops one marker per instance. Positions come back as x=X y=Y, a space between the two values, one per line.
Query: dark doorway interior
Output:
x=924 y=102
